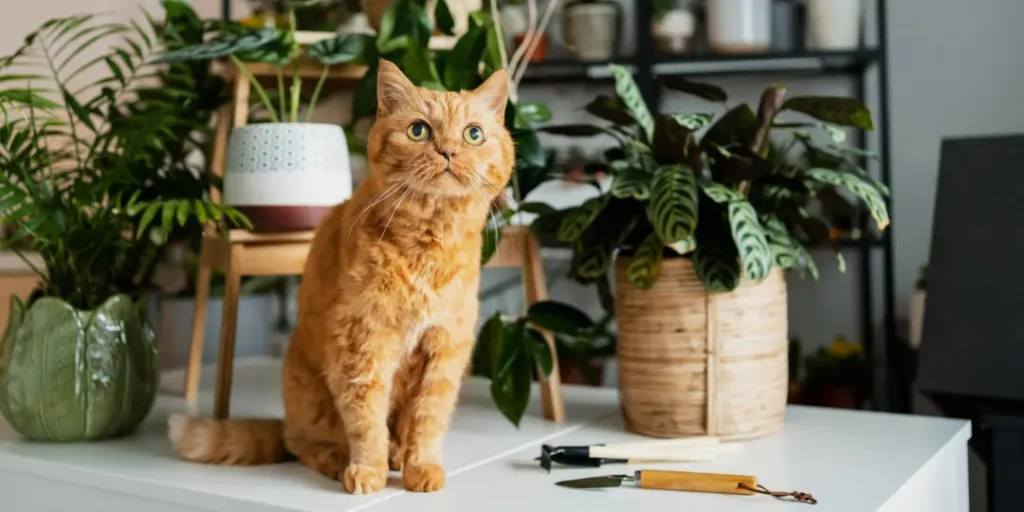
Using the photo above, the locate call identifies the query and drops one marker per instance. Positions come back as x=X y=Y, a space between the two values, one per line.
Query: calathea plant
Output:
x=733 y=199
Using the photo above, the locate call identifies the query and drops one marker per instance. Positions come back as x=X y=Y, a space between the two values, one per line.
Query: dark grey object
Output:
x=788 y=26
x=972 y=344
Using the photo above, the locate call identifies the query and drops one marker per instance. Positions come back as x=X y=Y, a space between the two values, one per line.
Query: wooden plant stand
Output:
x=239 y=253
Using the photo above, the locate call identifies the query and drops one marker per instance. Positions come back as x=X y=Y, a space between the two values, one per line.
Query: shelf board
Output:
x=571 y=70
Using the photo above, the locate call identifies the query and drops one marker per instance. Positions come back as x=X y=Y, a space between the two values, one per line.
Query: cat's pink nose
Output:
x=448 y=153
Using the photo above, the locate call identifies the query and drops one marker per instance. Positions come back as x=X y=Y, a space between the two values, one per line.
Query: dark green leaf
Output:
x=737 y=126
x=512 y=392
x=461 y=71
x=693 y=122
x=200 y=211
x=581 y=217
x=147 y=217
x=341 y=49
x=540 y=351
x=632 y=182
x=536 y=208
x=81 y=113
x=28 y=98
x=645 y=265
x=183 y=212
x=418 y=67
x=443 y=18
x=706 y=91
x=491 y=336
x=629 y=93
x=547 y=225
x=574 y=130
x=559 y=318
x=513 y=336
x=221 y=46
x=394 y=45
x=833 y=109
x=717 y=267
x=673 y=207
x=610 y=108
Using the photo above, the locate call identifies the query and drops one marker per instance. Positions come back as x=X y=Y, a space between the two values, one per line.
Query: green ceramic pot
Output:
x=73 y=375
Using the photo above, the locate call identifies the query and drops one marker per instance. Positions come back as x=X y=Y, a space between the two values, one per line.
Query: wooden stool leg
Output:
x=228 y=325
x=195 y=350
x=536 y=290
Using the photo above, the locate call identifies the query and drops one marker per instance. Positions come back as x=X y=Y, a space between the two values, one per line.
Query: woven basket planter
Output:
x=692 y=363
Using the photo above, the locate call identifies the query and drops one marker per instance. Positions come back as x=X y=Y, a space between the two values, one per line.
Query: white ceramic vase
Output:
x=591 y=30
x=835 y=24
x=675 y=30
x=286 y=176
x=739 y=26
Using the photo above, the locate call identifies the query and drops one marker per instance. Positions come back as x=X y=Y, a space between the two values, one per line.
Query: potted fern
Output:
x=700 y=230
x=286 y=173
x=96 y=183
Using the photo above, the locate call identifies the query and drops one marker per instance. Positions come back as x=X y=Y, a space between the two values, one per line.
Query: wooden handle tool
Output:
x=696 y=482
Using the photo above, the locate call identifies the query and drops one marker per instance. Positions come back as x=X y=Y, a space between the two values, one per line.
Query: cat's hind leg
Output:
x=313 y=431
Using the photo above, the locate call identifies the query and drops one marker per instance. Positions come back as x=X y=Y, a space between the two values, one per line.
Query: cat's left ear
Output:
x=493 y=93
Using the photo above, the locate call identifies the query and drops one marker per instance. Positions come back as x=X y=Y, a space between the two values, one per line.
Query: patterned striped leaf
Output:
x=645 y=265
x=860 y=186
x=546 y=225
x=673 y=206
x=580 y=217
x=684 y=246
x=695 y=121
x=632 y=182
x=719 y=193
x=750 y=240
x=785 y=251
x=630 y=95
x=595 y=250
x=716 y=267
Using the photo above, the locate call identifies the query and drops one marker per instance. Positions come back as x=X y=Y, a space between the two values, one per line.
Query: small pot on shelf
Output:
x=592 y=29
x=835 y=24
x=539 y=53
x=673 y=31
x=739 y=26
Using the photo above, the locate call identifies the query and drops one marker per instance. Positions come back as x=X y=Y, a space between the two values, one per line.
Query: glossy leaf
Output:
x=338 y=50
x=611 y=109
x=645 y=266
x=737 y=126
x=536 y=208
x=559 y=317
x=580 y=218
x=461 y=71
x=220 y=46
x=701 y=90
x=673 y=207
x=864 y=189
x=540 y=351
x=717 y=267
x=535 y=111
x=750 y=240
x=632 y=182
x=547 y=225
x=595 y=250
x=842 y=111
x=629 y=93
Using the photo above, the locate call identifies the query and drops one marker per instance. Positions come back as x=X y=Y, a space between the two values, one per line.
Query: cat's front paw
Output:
x=423 y=477
x=362 y=479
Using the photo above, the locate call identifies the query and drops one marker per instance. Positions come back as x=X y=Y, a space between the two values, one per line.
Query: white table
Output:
x=850 y=461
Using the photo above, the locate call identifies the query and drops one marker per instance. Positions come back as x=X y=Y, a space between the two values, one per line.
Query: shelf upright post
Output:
x=643 y=54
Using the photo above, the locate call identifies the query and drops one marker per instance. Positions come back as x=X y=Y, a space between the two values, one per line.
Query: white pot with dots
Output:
x=286 y=176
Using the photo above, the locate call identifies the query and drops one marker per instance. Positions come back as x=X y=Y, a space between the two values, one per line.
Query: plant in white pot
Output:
x=705 y=214
x=673 y=26
x=286 y=173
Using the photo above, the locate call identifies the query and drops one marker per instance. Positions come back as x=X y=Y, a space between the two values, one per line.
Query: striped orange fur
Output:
x=388 y=302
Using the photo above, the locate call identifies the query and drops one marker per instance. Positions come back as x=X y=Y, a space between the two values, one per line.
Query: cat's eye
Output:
x=473 y=134
x=418 y=131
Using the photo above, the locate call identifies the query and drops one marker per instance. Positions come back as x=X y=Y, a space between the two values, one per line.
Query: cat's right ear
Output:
x=394 y=90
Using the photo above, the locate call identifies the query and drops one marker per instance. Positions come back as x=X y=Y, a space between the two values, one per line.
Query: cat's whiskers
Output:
x=490 y=210
x=379 y=199
x=393 y=212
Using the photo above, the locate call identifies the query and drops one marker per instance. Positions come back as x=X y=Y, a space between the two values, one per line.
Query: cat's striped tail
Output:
x=238 y=442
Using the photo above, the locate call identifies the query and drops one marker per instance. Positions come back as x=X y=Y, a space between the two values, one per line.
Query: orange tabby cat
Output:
x=388 y=303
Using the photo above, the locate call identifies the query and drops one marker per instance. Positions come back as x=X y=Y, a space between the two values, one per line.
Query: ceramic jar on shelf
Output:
x=592 y=29
x=286 y=176
x=835 y=25
x=739 y=26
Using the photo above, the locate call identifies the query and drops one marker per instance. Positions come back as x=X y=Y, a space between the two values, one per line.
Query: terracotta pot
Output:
x=693 y=363
x=572 y=373
x=540 y=52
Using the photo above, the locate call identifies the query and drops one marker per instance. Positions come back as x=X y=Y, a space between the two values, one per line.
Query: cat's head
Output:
x=440 y=142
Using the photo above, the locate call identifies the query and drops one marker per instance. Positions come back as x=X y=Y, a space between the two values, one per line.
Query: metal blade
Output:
x=596 y=482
